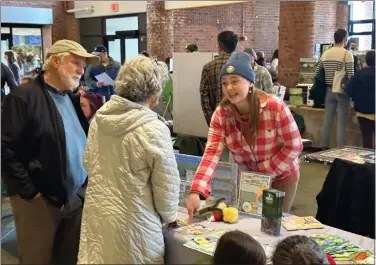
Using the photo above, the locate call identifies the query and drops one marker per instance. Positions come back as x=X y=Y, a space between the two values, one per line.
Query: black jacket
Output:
x=7 y=77
x=362 y=90
x=33 y=148
x=347 y=199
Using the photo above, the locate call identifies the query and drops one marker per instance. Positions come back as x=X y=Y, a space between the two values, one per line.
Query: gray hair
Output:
x=60 y=57
x=141 y=78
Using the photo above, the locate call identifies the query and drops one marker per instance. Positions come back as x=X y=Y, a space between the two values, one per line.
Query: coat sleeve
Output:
x=13 y=126
x=89 y=81
x=214 y=148
x=267 y=83
x=205 y=97
x=165 y=179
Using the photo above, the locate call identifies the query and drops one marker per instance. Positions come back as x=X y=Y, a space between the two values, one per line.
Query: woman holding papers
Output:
x=257 y=128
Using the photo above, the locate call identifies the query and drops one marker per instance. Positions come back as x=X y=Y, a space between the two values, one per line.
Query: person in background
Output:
x=353 y=46
x=43 y=138
x=13 y=65
x=109 y=66
x=335 y=103
x=145 y=53
x=300 y=250
x=191 y=48
x=20 y=59
x=141 y=181
x=7 y=77
x=274 y=75
x=236 y=247
x=210 y=86
x=261 y=59
x=28 y=66
x=26 y=79
x=263 y=79
x=362 y=90
x=274 y=61
x=90 y=104
x=257 y=128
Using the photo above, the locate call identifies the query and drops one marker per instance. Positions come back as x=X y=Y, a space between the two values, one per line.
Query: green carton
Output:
x=272 y=201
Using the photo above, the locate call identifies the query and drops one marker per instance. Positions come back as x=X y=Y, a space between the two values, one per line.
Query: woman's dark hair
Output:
x=11 y=57
x=370 y=58
x=236 y=247
x=145 y=53
x=95 y=101
x=275 y=55
x=228 y=41
x=261 y=61
x=298 y=250
x=30 y=58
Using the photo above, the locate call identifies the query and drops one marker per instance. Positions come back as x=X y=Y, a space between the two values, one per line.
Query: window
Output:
x=121 y=24
x=29 y=40
x=362 y=24
x=5 y=30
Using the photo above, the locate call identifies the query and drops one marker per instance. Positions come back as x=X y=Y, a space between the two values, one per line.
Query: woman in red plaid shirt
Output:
x=257 y=128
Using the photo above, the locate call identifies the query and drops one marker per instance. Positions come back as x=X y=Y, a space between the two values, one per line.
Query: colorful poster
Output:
x=251 y=187
x=224 y=183
x=350 y=153
x=307 y=70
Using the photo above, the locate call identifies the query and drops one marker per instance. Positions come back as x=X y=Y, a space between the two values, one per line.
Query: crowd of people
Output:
x=94 y=183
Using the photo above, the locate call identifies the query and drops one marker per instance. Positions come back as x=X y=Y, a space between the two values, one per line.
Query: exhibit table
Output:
x=177 y=253
x=314 y=120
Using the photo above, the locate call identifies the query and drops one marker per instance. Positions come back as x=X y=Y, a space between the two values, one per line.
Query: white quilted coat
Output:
x=133 y=186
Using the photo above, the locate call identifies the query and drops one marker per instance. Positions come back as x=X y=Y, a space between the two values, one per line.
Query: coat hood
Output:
x=120 y=116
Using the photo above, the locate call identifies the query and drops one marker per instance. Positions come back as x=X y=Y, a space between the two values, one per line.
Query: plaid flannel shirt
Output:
x=210 y=85
x=278 y=145
x=263 y=79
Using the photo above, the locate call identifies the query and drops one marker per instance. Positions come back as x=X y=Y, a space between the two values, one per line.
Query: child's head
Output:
x=236 y=247
x=298 y=250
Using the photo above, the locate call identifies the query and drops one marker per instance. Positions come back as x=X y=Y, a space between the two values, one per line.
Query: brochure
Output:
x=301 y=223
x=252 y=185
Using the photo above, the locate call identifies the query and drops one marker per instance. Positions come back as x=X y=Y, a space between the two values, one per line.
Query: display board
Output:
x=188 y=115
x=350 y=153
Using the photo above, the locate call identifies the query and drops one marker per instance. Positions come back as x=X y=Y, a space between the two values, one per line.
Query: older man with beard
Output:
x=43 y=138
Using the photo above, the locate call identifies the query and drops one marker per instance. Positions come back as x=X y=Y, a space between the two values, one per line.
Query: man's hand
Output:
x=37 y=196
x=100 y=84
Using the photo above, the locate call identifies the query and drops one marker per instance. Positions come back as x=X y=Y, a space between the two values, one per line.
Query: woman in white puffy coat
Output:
x=133 y=179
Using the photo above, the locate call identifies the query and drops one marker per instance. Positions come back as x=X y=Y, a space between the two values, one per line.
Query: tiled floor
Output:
x=311 y=181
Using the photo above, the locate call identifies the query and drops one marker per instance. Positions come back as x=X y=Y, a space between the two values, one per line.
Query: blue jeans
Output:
x=339 y=103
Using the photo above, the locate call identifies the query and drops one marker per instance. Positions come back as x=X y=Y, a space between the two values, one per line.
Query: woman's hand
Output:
x=193 y=204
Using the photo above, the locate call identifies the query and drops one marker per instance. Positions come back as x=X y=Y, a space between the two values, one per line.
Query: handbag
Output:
x=341 y=80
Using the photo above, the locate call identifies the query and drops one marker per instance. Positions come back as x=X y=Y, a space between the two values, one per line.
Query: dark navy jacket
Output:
x=112 y=70
x=362 y=90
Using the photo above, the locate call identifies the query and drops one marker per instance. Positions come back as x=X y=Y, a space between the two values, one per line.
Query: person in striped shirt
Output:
x=257 y=128
x=331 y=61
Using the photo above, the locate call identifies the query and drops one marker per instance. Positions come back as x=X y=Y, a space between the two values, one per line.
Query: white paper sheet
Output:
x=108 y=81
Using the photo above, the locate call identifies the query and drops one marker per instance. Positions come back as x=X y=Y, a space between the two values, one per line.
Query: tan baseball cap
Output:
x=75 y=48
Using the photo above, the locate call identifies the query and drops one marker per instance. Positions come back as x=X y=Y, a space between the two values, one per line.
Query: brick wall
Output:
x=202 y=25
x=65 y=25
x=296 y=38
x=37 y=3
x=325 y=21
x=342 y=16
x=159 y=27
